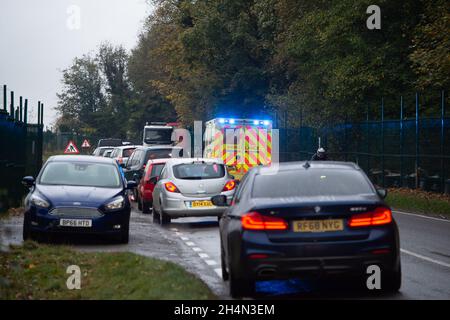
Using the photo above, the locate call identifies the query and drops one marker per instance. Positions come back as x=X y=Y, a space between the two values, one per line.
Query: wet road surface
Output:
x=194 y=244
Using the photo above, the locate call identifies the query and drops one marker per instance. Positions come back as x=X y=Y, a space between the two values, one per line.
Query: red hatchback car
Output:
x=147 y=184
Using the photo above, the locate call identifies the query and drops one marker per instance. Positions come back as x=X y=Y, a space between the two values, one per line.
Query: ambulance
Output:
x=240 y=143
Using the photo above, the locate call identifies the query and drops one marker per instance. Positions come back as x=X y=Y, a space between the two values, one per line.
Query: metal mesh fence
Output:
x=411 y=151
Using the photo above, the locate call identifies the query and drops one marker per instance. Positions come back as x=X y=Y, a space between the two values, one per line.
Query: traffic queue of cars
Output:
x=296 y=219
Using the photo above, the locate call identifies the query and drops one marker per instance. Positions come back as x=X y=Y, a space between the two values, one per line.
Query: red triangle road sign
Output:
x=71 y=148
x=86 y=144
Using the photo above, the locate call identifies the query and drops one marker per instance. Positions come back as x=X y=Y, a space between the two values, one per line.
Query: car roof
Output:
x=158 y=147
x=158 y=161
x=174 y=161
x=80 y=158
x=128 y=146
x=306 y=165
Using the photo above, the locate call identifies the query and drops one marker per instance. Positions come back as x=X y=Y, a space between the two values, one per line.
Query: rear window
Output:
x=156 y=170
x=126 y=153
x=199 y=171
x=104 y=150
x=310 y=183
x=162 y=154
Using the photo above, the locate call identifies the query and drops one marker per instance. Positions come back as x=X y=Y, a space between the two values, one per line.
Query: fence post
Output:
x=20 y=108
x=5 y=108
x=442 y=141
x=401 y=142
x=368 y=141
x=39 y=112
x=25 y=112
x=382 y=142
x=11 y=106
x=42 y=115
x=417 y=140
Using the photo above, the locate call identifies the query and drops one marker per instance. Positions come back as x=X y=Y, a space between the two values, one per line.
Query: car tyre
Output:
x=163 y=218
x=155 y=216
x=26 y=232
x=392 y=280
x=125 y=234
x=145 y=207
x=240 y=287
x=225 y=275
x=139 y=203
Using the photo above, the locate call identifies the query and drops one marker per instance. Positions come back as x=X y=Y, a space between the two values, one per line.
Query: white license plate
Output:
x=80 y=223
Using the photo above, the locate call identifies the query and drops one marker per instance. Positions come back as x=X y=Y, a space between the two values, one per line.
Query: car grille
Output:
x=76 y=212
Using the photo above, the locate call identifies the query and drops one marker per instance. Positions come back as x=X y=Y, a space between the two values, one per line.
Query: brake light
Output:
x=230 y=185
x=379 y=216
x=171 y=187
x=257 y=221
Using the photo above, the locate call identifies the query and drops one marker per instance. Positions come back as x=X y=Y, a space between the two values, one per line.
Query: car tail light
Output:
x=258 y=256
x=379 y=216
x=171 y=187
x=257 y=221
x=230 y=185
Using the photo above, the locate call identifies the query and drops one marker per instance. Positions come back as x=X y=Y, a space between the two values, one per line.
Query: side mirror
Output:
x=219 y=201
x=28 y=181
x=131 y=184
x=382 y=193
x=153 y=180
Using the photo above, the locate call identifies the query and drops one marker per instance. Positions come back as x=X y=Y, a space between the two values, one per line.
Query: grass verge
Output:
x=35 y=271
x=417 y=201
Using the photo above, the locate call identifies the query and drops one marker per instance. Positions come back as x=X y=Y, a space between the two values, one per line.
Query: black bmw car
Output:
x=78 y=195
x=307 y=219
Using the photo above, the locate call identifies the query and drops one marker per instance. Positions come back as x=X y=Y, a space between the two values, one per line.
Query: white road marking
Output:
x=420 y=216
x=197 y=249
x=219 y=272
x=184 y=238
x=425 y=258
x=190 y=243
x=174 y=229
x=203 y=255
x=210 y=262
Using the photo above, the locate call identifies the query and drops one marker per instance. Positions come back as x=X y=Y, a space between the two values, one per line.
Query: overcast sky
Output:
x=39 y=38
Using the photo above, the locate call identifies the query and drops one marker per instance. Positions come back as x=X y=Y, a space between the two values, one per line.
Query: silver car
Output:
x=185 y=188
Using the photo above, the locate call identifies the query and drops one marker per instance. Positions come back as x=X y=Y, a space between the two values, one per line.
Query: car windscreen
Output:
x=311 y=183
x=158 y=136
x=198 y=171
x=163 y=153
x=80 y=174
x=126 y=153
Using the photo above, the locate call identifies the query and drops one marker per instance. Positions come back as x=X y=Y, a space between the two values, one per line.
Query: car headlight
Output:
x=39 y=202
x=117 y=203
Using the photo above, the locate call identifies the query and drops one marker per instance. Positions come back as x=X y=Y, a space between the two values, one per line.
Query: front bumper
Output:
x=41 y=221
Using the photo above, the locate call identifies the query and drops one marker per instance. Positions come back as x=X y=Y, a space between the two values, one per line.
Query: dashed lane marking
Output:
x=202 y=255
x=218 y=271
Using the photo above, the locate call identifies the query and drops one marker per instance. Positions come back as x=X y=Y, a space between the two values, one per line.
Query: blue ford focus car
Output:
x=78 y=195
